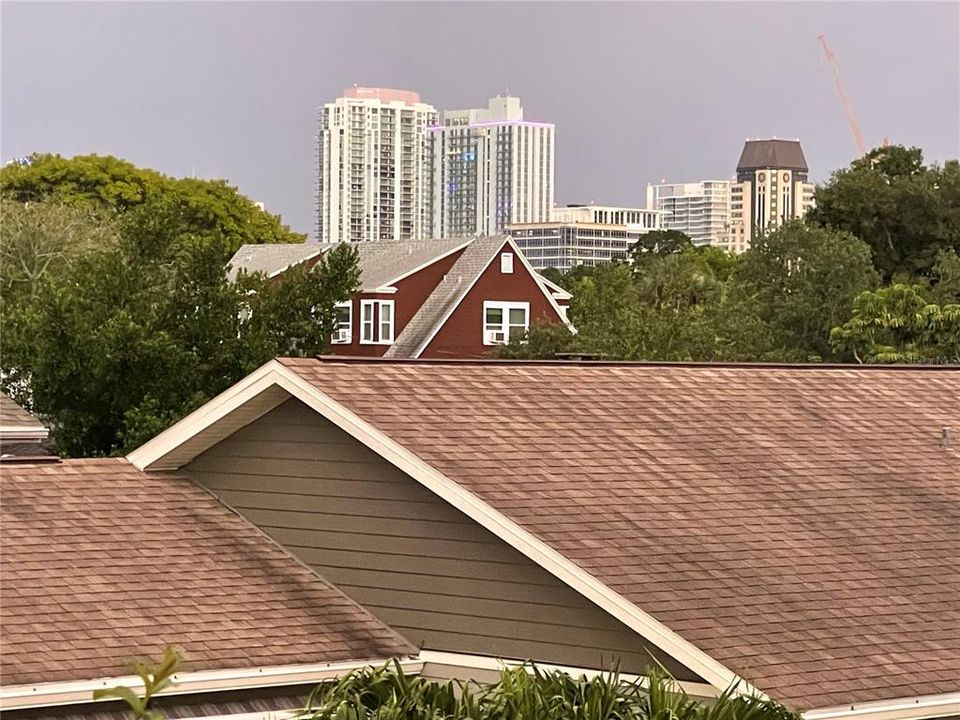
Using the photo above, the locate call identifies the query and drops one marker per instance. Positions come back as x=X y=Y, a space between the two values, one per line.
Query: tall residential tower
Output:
x=374 y=167
x=701 y=210
x=491 y=168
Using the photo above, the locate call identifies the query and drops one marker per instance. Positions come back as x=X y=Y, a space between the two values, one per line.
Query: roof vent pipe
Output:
x=944 y=436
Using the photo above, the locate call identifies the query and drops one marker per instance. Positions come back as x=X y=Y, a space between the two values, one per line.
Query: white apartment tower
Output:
x=374 y=167
x=491 y=168
x=701 y=210
x=771 y=189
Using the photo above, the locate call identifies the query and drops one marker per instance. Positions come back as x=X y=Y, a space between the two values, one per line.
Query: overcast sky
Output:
x=639 y=91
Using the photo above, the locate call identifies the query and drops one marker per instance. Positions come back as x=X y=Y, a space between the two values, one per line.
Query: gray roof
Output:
x=381 y=263
x=21 y=434
x=270 y=259
x=769 y=154
x=14 y=417
x=385 y=262
x=446 y=296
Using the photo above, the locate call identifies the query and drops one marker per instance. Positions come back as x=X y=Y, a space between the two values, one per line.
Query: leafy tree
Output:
x=907 y=212
x=660 y=242
x=130 y=337
x=897 y=324
x=106 y=184
x=41 y=238
x=567 y=279
x=800 y=281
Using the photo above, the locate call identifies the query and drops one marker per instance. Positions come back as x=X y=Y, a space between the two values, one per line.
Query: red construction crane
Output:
x=847 y=107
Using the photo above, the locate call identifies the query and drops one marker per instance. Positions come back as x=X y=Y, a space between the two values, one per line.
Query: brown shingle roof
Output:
x=14 y=417
x=800 y=525
x=103 y=564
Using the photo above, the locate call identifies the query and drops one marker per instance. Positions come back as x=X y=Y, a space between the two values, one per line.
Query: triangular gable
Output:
x=456 y=286
x=273 y=383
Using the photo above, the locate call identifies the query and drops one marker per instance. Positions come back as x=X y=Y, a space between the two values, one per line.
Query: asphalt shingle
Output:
x=104 y=564
x=800 y=525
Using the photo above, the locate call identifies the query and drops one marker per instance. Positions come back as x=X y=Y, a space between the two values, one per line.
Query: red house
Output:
x=454 y=298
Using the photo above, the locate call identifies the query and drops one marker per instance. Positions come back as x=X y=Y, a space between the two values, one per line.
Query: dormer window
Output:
x=503 y=319
x=343 y=329
x=376 y=322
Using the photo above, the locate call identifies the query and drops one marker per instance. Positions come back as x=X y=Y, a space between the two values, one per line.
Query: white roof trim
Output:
x=294 y=263
x=555 y=289
x=915 y=708
x=536 y=279
x=427 y=264
x=486 y=662
x=150 y=456
x=81 y=691
x=37 y=432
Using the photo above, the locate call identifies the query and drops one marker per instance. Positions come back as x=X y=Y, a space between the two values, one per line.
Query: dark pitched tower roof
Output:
x=766 y=154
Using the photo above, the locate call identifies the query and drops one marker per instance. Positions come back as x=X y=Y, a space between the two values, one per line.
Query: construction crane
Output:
x=847 y=107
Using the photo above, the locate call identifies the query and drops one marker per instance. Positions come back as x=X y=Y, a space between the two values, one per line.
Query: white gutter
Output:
x=915 y=708
x=81 y=691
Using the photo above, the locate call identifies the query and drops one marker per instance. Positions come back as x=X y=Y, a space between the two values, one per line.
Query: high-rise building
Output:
x=491 y=168
x=771 y=188
x=701 y=210
x=374 y=167
x=583 y=235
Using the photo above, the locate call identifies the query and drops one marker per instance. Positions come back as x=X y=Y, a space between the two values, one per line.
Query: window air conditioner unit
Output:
x=342 y=335
x=496 y=337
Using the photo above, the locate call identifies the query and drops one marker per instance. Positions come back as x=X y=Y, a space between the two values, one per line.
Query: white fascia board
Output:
x=486 y=662
x=185 y=683
x=382 y=290
x=37 y=432
x=286 y=267
x=712 y=671
x=147 y=455
x=915 y=708
x=275 y=373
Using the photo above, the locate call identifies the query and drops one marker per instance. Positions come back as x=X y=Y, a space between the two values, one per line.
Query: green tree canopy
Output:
x=128 y=337
x=800 y=281
x=108 y=185
x=900 y=324
x=907 y=212
x=40 y=238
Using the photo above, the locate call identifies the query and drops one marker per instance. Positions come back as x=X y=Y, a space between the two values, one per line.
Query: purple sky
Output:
x=639 y=91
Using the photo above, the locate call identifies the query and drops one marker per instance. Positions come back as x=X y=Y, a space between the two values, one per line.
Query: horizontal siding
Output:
x=422 y=566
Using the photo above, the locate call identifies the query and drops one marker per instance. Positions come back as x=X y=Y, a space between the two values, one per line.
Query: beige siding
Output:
x=420 y=565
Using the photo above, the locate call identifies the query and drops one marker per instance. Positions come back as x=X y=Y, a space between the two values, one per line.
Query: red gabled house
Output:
x=456 y=298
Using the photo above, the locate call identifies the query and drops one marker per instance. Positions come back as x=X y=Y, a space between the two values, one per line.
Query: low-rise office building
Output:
x=583 y=235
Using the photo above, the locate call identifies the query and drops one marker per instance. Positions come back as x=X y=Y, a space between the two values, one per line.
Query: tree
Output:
x=128 y=338
x=898 y=324
x=41 y=238
x=907 y=212
x=108 y=185
x=660 y=242
x=800 y=281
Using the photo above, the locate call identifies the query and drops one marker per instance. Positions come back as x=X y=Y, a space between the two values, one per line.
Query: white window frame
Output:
x=348 y=326
x=375 y=324
x=506 y=263
x=505 y=307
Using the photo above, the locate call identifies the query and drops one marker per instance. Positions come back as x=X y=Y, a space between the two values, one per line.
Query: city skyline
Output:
x=637 y=92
